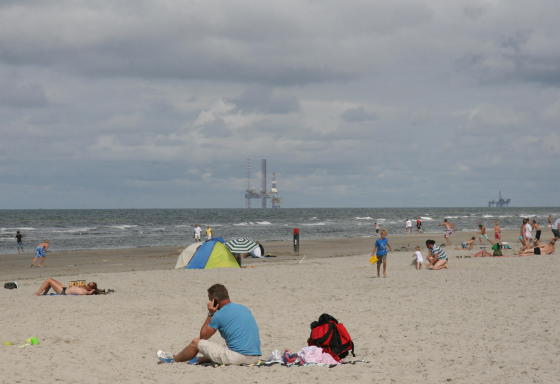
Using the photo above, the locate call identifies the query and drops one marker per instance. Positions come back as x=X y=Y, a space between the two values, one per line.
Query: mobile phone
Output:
x=214 y=303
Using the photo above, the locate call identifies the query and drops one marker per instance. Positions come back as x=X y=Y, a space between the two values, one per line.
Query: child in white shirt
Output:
x=419 y=258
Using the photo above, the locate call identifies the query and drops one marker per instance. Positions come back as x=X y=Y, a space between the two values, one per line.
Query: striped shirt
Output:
x=440 y=253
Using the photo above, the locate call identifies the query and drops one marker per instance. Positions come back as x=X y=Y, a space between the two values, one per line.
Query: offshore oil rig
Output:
x=264 y=194
x=500 y=203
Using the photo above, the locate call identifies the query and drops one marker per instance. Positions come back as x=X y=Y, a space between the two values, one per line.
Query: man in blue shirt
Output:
x=236 y=325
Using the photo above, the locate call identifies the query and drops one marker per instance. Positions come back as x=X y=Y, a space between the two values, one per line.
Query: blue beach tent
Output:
x=212 y=254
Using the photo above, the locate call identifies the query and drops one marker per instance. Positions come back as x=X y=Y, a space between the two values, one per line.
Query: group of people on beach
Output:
x=437 y=258
x=197 y=233
x=408 y=225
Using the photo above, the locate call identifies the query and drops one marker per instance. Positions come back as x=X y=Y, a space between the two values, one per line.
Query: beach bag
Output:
x=11 y=285
x=332 y=336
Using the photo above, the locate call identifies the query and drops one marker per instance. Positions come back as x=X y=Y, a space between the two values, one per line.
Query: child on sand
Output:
x=380 y=250
x=467 y=244
x=419 y=259
x=40 y=254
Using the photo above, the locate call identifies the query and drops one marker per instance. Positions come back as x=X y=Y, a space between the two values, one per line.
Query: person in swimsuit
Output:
x=449 y=229
x=546 y=249
x=40 y=254
x=61 y=289
x=483 y=235
x=497 y=231
x=538 y=230
x=418 y=224
x=467 y=244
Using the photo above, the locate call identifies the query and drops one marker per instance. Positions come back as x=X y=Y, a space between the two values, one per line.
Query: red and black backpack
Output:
x=332 y=336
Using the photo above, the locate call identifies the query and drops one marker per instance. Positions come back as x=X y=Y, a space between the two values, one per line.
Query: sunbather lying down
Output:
x=61 y=289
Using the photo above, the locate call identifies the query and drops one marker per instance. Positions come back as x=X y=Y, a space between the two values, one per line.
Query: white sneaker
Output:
x=165 y=357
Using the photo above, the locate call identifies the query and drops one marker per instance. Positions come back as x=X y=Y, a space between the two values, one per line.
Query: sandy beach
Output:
x=482 y=320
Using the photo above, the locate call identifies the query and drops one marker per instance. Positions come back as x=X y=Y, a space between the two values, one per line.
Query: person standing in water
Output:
x=19 y=242
x=196 y=232
x=418 y=224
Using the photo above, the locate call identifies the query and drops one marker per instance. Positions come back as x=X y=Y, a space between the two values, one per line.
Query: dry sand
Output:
x=482 y=320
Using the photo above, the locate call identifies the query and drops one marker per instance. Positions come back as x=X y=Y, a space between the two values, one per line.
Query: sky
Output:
x=387 y=103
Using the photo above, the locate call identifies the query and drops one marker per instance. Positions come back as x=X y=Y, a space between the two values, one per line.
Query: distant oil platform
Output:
x=500 y=203
x=264 y=194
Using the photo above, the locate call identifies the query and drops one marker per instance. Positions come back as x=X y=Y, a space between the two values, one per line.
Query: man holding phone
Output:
x=237 y=326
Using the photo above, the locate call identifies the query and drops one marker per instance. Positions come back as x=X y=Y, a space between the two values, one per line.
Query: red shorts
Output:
x=497 y=235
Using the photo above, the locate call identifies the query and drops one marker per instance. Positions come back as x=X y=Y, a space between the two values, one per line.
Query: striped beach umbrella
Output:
x=241 y=245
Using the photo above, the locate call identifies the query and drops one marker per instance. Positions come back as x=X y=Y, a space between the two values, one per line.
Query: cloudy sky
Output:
x=135 y=103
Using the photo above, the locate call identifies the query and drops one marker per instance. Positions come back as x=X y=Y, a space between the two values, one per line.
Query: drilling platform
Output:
x=264 y=194
x=500 y=203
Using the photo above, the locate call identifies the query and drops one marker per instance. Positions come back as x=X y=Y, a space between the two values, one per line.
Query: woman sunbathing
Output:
x=58 y=287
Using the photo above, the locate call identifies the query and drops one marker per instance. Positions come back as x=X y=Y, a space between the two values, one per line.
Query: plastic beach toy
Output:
x=8 y=343
x=32 y=340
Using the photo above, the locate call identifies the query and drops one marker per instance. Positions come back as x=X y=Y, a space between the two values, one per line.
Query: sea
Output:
x=71 y=229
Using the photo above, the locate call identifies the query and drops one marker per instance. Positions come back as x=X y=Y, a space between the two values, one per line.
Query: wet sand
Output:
x=76 y=263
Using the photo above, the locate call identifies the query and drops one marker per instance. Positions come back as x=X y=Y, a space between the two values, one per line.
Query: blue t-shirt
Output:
x=381 y=246
x=239 y=329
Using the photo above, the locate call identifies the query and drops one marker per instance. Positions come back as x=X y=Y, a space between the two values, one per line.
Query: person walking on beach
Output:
x=483 y=235
x=19 y=242
x=208 y=232
x=237 y=326
x=40 y=254
x=418 y=224
x=196 y=232
x=449 y=229
x=437 y=256
x=380 y=250
x=377 y=228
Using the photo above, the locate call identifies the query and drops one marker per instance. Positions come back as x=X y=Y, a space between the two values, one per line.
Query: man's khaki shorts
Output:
x=223 y=355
